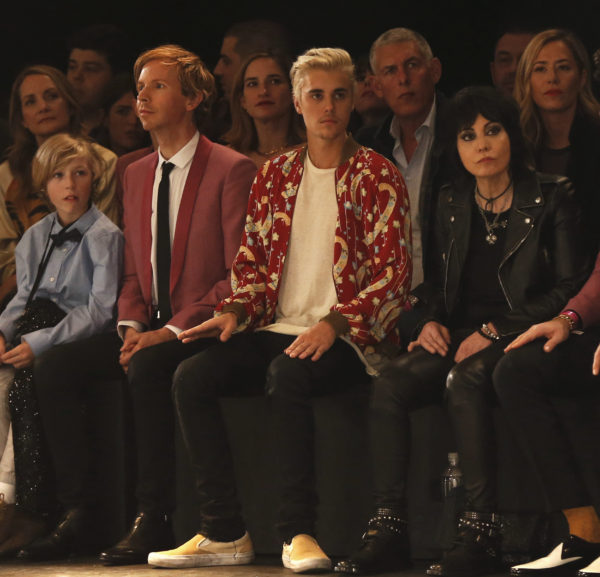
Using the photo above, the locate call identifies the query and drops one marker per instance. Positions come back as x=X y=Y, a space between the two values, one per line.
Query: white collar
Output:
x=427 y=123
x=184 y=155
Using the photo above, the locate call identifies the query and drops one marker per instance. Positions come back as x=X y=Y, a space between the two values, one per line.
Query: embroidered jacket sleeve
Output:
x=372 y=267
x=249 y=272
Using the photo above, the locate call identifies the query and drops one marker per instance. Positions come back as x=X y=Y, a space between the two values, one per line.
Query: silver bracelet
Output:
x=489 y=333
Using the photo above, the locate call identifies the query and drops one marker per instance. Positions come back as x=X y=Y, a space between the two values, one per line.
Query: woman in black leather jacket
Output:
x=510 y=255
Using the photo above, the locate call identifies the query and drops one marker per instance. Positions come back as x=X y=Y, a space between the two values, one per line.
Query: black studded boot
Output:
x=384 y=547
x=476 y=550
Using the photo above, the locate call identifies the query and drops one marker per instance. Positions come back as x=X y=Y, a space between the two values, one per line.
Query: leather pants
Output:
x=418 y=379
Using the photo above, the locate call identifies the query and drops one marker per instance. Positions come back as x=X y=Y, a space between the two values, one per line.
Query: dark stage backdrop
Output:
x=461 y=32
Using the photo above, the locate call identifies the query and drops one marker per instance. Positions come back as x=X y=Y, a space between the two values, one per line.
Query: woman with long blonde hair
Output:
x=561 y=117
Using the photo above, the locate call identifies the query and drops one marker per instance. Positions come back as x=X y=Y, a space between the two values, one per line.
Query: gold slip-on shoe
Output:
x=200 y=551
x=304 y=554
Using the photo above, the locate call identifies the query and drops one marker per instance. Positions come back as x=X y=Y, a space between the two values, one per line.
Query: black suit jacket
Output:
x=438 y=170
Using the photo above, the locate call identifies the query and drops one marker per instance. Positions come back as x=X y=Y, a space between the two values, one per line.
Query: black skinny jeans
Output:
x=249 y=364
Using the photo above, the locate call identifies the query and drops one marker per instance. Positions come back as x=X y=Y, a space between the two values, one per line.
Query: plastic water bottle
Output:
x=452 y=491
x=452 y=476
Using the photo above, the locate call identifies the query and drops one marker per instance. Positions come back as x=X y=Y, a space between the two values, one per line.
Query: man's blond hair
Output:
x=320 y=59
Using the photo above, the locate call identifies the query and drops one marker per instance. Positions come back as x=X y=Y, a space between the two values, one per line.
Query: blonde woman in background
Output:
x=561 y=117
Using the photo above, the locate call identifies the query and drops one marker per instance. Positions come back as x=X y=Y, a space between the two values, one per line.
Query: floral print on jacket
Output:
x=372 y=265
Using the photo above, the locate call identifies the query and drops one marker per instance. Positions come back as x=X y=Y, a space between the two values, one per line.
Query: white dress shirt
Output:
x=177 y=179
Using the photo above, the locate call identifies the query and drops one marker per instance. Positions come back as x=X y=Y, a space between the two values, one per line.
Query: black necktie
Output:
x=163 y=245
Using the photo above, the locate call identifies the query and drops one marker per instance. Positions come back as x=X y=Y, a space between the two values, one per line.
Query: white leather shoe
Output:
x=592 y=569
x=572 y=554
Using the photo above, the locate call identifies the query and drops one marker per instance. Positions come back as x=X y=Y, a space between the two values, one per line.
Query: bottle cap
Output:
x=453 y=458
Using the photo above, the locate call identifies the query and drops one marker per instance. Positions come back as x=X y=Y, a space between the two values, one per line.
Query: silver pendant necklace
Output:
x=490 y=227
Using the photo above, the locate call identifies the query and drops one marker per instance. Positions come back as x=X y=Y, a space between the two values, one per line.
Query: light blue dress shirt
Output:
x=82 y=278
x=413 y=173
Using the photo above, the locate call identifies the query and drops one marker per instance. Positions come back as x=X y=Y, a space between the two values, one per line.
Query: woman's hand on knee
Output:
x=434 y=338
x=555 y=331
x=471 y=345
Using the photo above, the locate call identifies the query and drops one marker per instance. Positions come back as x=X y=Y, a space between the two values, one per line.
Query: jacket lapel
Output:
x=146 y=227
x=527 y=201
x=459 y=222
x=186 y=208
x=460 y=210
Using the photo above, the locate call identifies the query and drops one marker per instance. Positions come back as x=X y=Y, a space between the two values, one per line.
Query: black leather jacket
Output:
x=545 y=259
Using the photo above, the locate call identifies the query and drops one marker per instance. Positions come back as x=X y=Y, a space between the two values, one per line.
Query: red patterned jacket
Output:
x=372 y=266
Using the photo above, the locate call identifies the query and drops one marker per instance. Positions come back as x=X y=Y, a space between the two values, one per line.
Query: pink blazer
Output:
x=123 y=163
x=207 y=234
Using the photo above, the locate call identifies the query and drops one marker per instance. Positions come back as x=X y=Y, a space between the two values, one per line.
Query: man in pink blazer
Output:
x=200 y=217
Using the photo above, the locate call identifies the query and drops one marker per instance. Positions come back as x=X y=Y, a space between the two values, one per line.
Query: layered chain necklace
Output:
x=495 y=223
